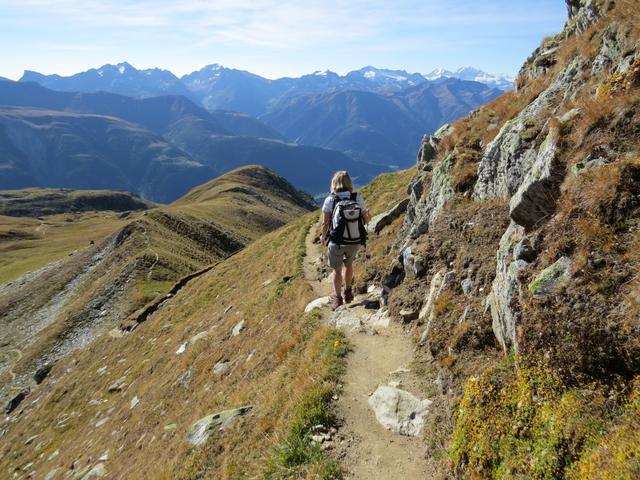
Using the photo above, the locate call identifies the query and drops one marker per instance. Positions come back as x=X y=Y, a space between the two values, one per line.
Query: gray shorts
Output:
x=341 y=254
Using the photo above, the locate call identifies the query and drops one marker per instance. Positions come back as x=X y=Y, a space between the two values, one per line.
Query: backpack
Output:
x=347 y=226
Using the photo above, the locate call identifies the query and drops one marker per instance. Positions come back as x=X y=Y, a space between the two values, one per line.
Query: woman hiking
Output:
x=343 y=220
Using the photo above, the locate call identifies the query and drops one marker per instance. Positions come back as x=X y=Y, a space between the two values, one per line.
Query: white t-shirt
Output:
x=327 y=206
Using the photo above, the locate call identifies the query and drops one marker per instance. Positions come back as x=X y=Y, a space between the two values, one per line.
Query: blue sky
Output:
x=273 y=38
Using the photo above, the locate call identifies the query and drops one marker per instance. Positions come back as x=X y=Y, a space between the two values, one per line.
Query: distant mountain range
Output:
x=372 y=115
x=501 y=81
x=158 y=147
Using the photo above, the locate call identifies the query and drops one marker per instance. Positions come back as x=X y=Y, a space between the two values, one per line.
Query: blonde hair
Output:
x=341 y=182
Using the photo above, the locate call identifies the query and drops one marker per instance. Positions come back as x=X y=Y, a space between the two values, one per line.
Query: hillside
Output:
x=64 y=305
x=368 y=126
x=35 y=202
x=45 y=148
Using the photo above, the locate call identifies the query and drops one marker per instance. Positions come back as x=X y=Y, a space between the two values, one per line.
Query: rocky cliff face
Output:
x=554 y=167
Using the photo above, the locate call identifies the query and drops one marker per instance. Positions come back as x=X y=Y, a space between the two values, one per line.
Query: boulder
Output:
x=200 y=430
x=15 y=401
x=551 y=278
x=220 y=367
x=385 y=219
x=198 y=337
x=398 y=410
x=317 y=303
x=237 y=329
x=535 y=199
x=118 y=385
x=42 y=372
x=409 y=314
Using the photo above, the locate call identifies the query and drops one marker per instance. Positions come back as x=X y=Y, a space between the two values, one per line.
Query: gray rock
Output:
x=118 y=385
x=422 y=213
x=535 y=199
x=184 y=380
x=52 y=473
x=510 y=156
x=468 y=287
x=317 y=303
x=98 y=471
x=504 y=298
x=220 y=367
x=238 y=328
x=134 y=402
x=385 y=219
x=551 y=278
x=439 y=282
x=444 y=131
x=426 y=154
x=398 y=410
x=15 y=401
x=409 y=314
x=582 y=14
x=524 y=250
x=42 y=373
x=414 y=265
x=200 y=430
x=196 y=338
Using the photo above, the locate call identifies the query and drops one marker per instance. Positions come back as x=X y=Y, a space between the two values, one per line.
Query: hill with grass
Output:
x=36 y=202
x=55 y=309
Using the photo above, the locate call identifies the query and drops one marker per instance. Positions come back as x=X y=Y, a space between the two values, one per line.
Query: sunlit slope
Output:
x=245 y=314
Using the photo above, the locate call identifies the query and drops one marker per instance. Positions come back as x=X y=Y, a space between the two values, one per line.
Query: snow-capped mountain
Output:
x=501 y=81
x=121 y=78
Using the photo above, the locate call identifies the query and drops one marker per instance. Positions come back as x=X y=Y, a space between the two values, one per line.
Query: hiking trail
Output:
x=364 y=448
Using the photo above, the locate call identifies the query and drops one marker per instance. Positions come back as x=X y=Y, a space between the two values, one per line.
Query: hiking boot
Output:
x=337 y=302
x=348 y=295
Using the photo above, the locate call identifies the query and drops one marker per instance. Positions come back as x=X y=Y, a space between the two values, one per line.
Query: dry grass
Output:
x=277 y=352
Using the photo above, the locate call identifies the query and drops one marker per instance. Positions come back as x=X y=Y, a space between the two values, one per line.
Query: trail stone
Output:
x=379 y=319
x=200 y=430
x=398 y=410
x=238 y=328
x=317 y=303
x=343 y=318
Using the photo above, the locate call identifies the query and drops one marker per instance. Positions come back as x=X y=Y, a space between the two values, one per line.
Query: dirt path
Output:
x=367 y=450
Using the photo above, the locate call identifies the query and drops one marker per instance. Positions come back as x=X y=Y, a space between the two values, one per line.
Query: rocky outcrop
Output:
x=509 y=158
x=536 y=197
x=551 y=278
x=385 y=219
x=504 y=298
x=441 y=280
x=582 y=14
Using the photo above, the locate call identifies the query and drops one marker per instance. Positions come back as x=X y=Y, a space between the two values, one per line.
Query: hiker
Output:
x=343 y=220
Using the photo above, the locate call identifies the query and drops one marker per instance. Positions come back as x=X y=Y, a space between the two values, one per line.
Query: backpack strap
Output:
x=354 y=195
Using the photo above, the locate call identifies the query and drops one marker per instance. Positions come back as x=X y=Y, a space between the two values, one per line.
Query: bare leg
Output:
x=337 y=281
x=348 y=275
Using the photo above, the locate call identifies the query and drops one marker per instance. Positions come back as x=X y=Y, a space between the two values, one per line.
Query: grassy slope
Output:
x=27 y=244
x=278 y=359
